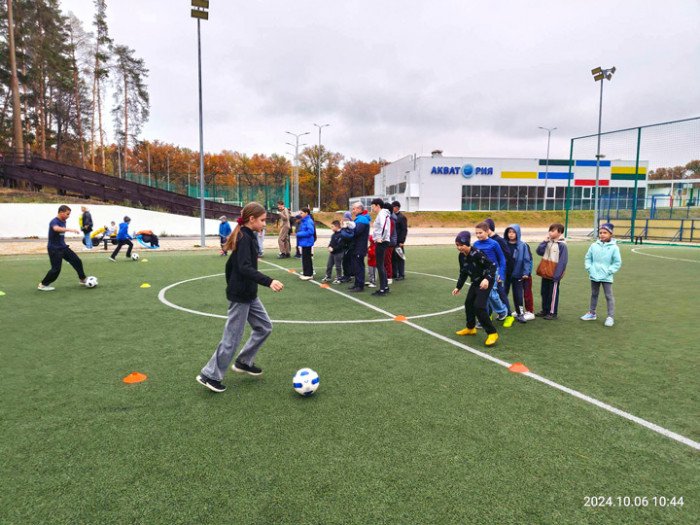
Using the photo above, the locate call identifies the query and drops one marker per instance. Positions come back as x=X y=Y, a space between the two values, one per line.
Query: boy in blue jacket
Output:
x=123 y=238
x=522 y=267
x=602 y=262
x=493 y=251
x=224 y=232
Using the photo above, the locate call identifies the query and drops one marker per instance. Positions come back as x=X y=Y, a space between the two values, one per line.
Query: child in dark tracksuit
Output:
x=555 y=255
x=522 y=267
x=483 y=273
x=335 y=255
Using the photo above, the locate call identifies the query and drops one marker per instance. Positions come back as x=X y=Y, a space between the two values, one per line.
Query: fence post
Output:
x=636 y=183
x=568 y=189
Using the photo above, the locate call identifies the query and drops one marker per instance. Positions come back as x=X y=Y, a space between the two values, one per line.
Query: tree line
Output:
x=63 y=72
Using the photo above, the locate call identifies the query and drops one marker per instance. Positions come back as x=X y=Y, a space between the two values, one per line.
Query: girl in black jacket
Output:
x=242 y=280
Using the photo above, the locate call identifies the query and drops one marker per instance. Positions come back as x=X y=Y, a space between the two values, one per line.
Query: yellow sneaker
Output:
x=508 y=321
x=491 y=339
x=466 y=331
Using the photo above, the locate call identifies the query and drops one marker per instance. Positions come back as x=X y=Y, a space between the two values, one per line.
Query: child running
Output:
x=482 y=271
x=602 y=262
x=242 y=280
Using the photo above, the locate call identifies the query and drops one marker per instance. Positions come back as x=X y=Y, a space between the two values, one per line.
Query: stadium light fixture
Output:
x=599 y=74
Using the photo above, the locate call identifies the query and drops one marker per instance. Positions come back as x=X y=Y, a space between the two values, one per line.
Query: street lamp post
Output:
x=599 y=74
x=295 y=182
x=546 y=166
x=200 y=13
x=319 y=162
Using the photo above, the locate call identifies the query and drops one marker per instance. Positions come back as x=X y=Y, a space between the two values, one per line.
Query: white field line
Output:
x=643 y=422
x=635 y=250
x=162 y=299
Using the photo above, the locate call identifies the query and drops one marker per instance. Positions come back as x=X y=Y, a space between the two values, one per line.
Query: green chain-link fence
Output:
x=646 y=180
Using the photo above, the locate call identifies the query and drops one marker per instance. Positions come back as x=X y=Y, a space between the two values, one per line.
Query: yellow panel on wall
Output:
x=518 y=174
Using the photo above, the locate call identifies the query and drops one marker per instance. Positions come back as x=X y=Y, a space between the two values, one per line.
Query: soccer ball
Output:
x=134 y=256
x=91 y=282
x=305 y=382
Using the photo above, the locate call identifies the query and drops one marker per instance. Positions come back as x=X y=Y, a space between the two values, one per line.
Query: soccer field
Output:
x=405 y=428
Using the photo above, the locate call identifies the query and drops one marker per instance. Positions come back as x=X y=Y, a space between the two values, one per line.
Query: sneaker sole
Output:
x=210 y=387
x=241 y=371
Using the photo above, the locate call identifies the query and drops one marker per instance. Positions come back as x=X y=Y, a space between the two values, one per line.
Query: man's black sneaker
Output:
x=246 y=369
x=399 y=278
x=379 y=293
x=549 y=317
x=211 y=384
x=355 y=290
x=540 y=314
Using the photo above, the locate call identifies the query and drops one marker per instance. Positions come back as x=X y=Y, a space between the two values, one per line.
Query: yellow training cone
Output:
x=2 y=293
x=145 y=285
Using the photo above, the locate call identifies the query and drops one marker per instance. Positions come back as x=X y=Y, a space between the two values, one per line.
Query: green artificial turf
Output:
x=405 y=428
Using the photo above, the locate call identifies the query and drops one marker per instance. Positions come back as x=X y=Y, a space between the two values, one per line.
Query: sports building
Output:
x=438 y=183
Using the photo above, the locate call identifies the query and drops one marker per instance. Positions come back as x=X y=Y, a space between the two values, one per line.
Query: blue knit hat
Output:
x=492 y=225
x=608 y=226
x=464 y=237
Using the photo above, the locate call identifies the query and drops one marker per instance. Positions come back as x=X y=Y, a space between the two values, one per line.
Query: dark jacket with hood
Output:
x=520 y=253
x=242 y=275
x=477 y=266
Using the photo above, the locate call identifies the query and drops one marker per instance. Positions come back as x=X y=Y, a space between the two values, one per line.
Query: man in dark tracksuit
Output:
x=476 y=265
x=398 y=263
x=59 y=250
x=86 y=227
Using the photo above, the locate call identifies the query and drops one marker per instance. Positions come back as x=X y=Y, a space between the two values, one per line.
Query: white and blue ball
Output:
x=134 y=256
x=91 y=282
x=306 y=382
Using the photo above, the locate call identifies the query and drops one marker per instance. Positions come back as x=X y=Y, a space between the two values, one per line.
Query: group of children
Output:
x=496 y=265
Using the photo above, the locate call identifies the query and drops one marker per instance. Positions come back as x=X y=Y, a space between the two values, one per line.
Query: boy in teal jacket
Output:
x=601 y=262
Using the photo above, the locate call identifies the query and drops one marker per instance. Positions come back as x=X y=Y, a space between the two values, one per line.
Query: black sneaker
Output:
x=355 y=290
x=211 y=384
x=242 y=368
x=549 y=317
x=541 y=314
x=379 y=293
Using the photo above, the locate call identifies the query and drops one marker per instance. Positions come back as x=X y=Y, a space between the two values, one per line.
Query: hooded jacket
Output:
x=305 y=232
x=522 y=258
x=477 y=266
x=603 y=260
x=361 y=233
x=382 y=226
x=242 y=275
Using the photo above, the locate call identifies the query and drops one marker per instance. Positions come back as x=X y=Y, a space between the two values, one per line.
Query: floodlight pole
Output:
x=546 y=166
x=200 y=13
x=599 y=74
x=319 y=162
x=295 y=171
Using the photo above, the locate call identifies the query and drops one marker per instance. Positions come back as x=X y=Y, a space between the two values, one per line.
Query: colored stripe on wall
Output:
x=554 y=162
x=592 y=163
x=518 y=174
x=557 y=175
x=628 y=170
x=584 y=182
x=624 y=176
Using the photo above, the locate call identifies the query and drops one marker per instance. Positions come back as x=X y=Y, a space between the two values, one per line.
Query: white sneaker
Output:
x=529 y=316
x=609 y=321
x=306 y=277
x=389 y=281
x=112 y=259
x=371 y=285
x=589 y=316
x=45 y=288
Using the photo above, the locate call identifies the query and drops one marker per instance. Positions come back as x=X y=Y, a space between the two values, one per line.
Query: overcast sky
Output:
x=396 y=77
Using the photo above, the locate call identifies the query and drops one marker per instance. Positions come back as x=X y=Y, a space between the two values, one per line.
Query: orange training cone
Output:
x=518 y=368
x=400 y=318
x=292 y=270
x=135 y=377
x=325 y=285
